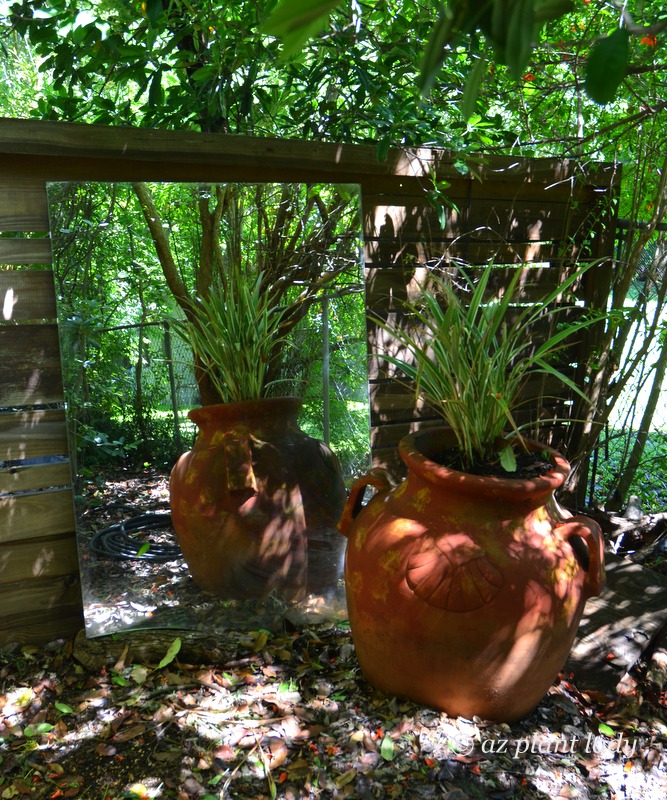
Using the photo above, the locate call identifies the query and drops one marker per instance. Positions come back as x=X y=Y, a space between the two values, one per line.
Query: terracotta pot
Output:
x=256 y=501
x=465 y=592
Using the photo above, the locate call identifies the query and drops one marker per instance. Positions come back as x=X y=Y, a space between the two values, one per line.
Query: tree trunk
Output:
x=210 y=231
x=608 y=378
x=628 y=474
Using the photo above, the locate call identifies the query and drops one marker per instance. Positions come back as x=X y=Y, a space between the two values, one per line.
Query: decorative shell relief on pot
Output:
x=453 y=573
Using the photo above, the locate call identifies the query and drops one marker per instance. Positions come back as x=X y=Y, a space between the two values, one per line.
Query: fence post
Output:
x=326 y=421
x=172 y=386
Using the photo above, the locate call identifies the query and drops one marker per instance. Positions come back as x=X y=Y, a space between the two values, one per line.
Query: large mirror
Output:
x=133 y=264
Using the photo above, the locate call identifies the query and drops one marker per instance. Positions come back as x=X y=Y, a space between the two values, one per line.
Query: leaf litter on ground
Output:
x=287 y=715
x=290 y=715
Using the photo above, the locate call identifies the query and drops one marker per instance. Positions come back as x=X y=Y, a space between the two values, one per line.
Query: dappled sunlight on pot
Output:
x=255 y=503
x=464 y=591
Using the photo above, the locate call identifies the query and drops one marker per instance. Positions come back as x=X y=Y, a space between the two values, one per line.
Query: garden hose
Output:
x=114 y=541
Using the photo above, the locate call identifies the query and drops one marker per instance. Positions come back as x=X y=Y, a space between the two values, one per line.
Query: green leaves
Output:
x=32 y=731
x=145 y=547
x=605 y=730
x=387 y=749
x=472 y=87
x=172 y=651
x=234 y=333
x=154 y=10
x=508 y=459
x=472 y=353
x=607 y=66
x=295 y=21
x=511 y=27
x=451 y=16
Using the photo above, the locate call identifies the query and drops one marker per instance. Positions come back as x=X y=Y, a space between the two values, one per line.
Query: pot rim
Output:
x=414 y=453
x=247 y=408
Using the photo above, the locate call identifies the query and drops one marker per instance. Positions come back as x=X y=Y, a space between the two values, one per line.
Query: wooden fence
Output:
x=542 y=212
x=541 y=216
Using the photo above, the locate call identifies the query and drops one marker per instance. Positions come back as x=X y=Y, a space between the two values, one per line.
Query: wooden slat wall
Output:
x=538 y=216
x=39 y=578
x=513 y=210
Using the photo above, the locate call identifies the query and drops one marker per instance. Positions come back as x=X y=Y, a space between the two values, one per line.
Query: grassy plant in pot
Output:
x=256 y=501
x=466 y=582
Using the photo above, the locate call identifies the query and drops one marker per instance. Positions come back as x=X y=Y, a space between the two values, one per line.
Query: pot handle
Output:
x=238 y=464
x=589 y=531
x=377 y=478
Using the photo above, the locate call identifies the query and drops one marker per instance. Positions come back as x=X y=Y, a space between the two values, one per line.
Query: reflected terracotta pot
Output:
x=465 y=592
x=256 y=501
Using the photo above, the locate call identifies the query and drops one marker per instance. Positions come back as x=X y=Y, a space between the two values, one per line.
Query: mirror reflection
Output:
x=219 y=328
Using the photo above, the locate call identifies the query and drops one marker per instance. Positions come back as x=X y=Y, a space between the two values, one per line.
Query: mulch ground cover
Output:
x=284 y=712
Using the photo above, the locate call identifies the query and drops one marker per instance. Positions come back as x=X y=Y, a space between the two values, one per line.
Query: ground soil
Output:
x=528 y=465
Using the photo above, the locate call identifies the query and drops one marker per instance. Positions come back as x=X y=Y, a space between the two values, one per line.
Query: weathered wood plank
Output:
x=39 y=595
x=390 y=434
x=25 y=251
x=60 y=622
x=32 y=434
x=397 y=284
x=463 y=192
x=388 y=458
x=30 y=370
x=391 y=401
x=34 y=516
x=27 y=295
x=89 y=141
x=35 y=476
x=69 y=151
x=406 y=253
x=23 y=206
x=383 y=343
x=49 y=557
x=514 y=220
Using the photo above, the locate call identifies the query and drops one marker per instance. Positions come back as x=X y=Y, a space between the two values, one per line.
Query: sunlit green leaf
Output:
x=387 y=748
x=37 y=730
x=508 y=459
x=171 y=653
x=472 y=87
x=607 y=66
x=295 y=21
